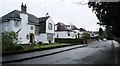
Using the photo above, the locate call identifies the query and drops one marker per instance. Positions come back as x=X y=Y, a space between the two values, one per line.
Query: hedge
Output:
x=69 y=40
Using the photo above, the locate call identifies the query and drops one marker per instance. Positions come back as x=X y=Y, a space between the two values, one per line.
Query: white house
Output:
x=45 y=30
x=66 y=31
x=29 y=28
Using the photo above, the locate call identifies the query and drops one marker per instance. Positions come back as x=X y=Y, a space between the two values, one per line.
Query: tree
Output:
x=85 y=36
x=101 y=33
x=108 y=32
x=108 y=14
x=9 y=41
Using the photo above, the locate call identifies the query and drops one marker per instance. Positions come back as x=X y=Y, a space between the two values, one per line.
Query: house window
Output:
x=50 y=26
x=31 y=27
x=16 y=23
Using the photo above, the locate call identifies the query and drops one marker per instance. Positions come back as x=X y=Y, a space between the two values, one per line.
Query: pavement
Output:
x=32 y=55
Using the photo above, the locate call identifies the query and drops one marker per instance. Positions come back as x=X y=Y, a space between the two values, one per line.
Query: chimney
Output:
x=24 y=8
x=47 y=14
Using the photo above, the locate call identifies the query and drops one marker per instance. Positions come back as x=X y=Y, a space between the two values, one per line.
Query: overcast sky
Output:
x=65 y=11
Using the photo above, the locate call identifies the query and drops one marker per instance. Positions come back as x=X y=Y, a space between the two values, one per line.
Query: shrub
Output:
x=9 y=41
x=85 y=36
x=39 y=43
x=18 y=47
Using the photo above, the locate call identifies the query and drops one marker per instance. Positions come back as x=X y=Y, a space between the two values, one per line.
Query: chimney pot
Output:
x=24 y=8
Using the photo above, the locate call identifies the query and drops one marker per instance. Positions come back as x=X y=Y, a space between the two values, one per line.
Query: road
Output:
x=97 y=53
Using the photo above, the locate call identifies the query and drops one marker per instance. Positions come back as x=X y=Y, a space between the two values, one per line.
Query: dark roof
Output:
x=73 y=27
x=81 y=29
x=43 y=19
x=16 y=14
x=62 y=27
x=32 y=18
x=11 y=15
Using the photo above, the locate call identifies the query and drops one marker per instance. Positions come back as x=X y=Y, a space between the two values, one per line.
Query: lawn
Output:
x=49 y=45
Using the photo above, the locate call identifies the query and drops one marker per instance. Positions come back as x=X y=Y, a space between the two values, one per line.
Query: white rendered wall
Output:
x=64 y=34
x=49 y=20
x=16 y=29
x=43 y=38
x=25 y=29
x=80 y=33
x=6 y=26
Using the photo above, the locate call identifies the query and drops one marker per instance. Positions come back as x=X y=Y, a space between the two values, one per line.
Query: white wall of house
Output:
x=25 y=29
x=16 y=29
x=43 y=38
x=49 y=20
x=6 y=26
x=80 y=33
x=64 y=34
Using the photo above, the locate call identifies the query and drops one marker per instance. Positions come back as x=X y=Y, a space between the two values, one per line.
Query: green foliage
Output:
x=49 y=45
x=39 y=43
x=108 y=14
x=100 y=31
x=69 y=40
x=18 y=47
x=108 y=31
x=9 y=41
x=85 y=36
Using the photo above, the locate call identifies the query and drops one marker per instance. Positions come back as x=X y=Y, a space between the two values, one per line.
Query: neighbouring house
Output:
x=94 y=33
x=29 y=28
x=45 y=30
x=66 y=31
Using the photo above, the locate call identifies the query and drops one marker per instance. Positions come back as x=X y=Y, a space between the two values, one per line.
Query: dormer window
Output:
x=50 y=26
x=16 y=23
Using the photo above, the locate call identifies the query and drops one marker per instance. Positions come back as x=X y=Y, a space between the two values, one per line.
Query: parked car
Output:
x=104 y=39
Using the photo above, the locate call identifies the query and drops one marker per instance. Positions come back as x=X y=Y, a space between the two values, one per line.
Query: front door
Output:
x=31 y=38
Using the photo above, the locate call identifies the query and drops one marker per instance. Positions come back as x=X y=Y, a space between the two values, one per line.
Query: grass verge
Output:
x=36 y=48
